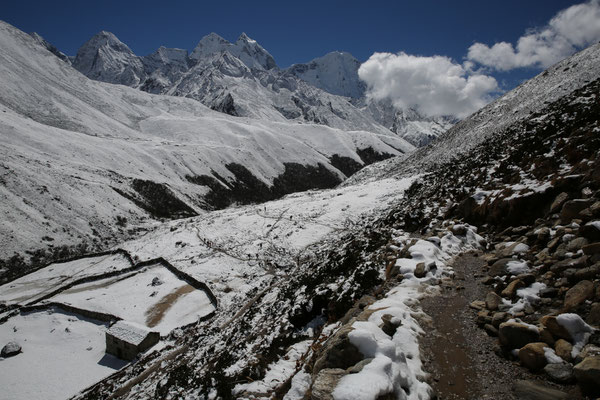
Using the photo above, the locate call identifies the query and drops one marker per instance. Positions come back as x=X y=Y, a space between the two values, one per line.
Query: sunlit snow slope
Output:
x=77 y=154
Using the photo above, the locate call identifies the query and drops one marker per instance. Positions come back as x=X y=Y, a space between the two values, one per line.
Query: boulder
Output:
x=532 y=356
x=548 y=292
x=511 y=290
x=420 y=270
x=529 y=390
x=490 y=330
x=558 y=202
x=325 y=382
x=576 y=244
x=560 y=372
x=591 y=231
x=563 y=349
x=592 y=248
x=556 y=329
x=499 y=268
x=588 y=371
x=572 y=208
x=389 y=324
x=514 y=335
x=492 y=301
x=499 y=318
x=587 y=273
x=593 y=317
x=546 y=336
x=10 y=349
x=578 y=294
x=338 y=352
x=589 y=350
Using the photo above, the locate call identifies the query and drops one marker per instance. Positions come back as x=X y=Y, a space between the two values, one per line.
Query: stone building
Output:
x=126 y=340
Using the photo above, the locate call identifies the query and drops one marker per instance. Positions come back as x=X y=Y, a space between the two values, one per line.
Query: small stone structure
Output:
x=126 y=339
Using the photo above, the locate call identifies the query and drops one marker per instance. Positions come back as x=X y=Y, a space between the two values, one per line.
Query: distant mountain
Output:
x=77 y=153
x=242 y=79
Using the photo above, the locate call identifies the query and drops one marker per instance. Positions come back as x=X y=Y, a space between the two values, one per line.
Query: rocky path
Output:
x=459 y=356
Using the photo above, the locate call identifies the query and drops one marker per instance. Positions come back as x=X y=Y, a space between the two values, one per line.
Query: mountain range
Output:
x=243 y=79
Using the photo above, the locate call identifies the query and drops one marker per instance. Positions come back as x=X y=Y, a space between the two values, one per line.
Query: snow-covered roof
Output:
x=129 y=332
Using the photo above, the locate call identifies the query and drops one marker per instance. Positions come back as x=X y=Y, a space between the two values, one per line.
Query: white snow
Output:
x=45 y=281
x=396 y=361
x=517 y=267
x=279 y=371
x=63 y=353
x=528 y=295
x=133 y=298
x=577 y=328
x=129 y=332
x=300 y=384
x=551 y=356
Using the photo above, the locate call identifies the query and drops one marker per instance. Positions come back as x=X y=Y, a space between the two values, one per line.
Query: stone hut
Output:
x=126 y=339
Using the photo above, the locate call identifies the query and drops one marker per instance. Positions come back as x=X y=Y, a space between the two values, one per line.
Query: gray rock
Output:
x=572 y=208
x=576 y=244
x=587 y=372
x=491 y=330
x=514 y=335
x=558 y=202
x=563 y=349
x=560 y=372
x=420 y=271
x=338 y=352
x=499 y=318
x=532 y=356
x=388 y=326
x=11 y=349
x=355 y=369
x=492 y=301
x=325 y=382
x=578 y=294
x=499 y=267
x=528 y=390
x=593 y=317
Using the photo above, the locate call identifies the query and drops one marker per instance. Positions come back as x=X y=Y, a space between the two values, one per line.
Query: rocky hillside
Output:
x=342 y=320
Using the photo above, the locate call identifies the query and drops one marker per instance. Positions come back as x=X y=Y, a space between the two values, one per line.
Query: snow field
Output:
x=163 y=306
x=62 y=354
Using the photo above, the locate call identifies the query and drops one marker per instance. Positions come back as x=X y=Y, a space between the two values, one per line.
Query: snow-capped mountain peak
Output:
x=105 y=58
x=252 y=54
x=335 y=72
x=170 y=54
x=208 y=45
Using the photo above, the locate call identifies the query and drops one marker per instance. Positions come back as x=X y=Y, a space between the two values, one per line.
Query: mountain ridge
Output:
x=326 y=91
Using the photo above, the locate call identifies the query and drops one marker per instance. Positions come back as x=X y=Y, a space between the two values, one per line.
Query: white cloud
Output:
x=571 y=29
x=434 y=86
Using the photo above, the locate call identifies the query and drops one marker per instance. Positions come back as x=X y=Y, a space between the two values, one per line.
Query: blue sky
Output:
x=291 y=31
x=477 y=38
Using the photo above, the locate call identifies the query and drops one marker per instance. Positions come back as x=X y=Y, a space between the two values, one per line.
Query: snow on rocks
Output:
x=386 y=333
x=12 y=348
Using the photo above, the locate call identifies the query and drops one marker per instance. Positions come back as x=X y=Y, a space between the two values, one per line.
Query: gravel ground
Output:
x=459 y=355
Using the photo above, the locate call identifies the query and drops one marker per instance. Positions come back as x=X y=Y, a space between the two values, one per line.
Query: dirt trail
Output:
x=458 y=354
x=156 y=313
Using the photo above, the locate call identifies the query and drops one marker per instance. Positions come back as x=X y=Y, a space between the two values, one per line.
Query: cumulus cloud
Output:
x=571 y=29
x=434 y=86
